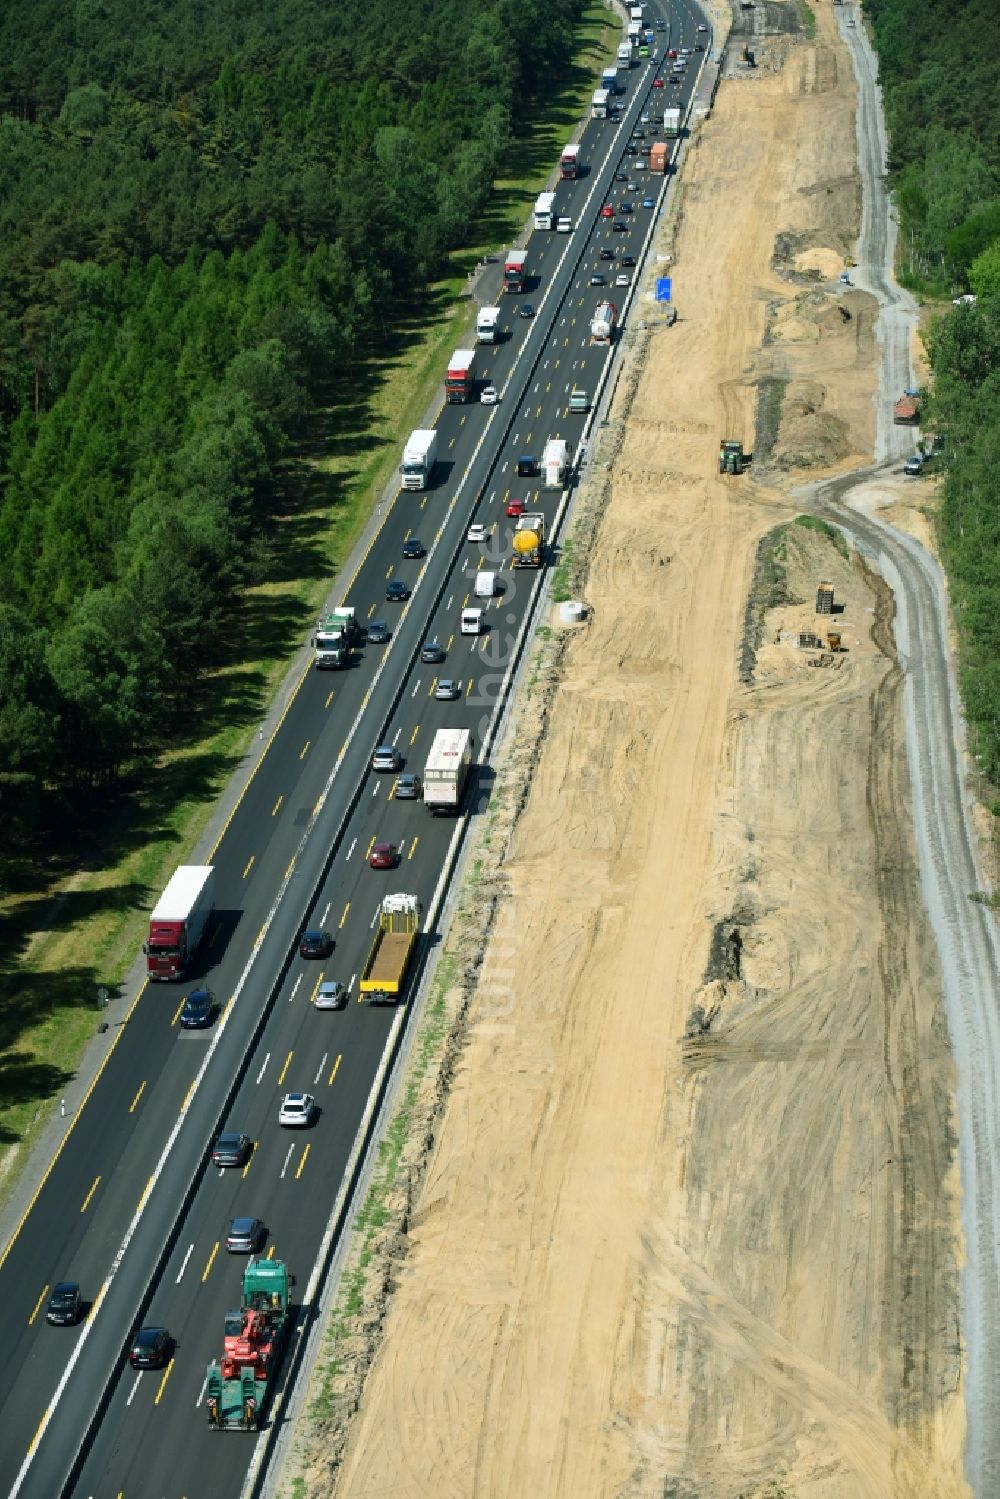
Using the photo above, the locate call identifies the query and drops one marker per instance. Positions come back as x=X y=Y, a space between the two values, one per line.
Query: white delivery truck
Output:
x=545 y=208
x=555 y=463
x=471 y=622
x=599 y=104
x=624 y=55
x=447 y=770
x=486 y=585
x=419 y=456
x=486 y=325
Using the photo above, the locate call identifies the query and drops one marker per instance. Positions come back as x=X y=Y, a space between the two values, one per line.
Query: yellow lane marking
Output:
x=249 y=865
x=329 y=699
x=177 y=1012
x=329 y=1083
x=211 y=1262
x=270 y=1253
x=274 y=809
x=86 y=1201
x=302 y=1163
x=305 y=749
x=187 y=1096
x=163 y=1382
x=412 y=847
x=416 y=731
x=288 y=1061
x=135 y=1101
x=340 y=924
x=38 y=1305
x=145 y=1193
x=253 y=1152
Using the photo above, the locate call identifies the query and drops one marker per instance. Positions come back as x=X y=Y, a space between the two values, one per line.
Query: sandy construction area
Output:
x=688 y=1221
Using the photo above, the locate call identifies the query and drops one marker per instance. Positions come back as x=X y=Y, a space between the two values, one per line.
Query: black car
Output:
x=315 y=944
x=621 y=176
x=619 y=226
x=63 y=1309
x=607 y=253
x=150 y=1348
x=431 y=653
x=626 y=208
x=198 y=1010
x=378 y=632
x=231 y=1149
x=397 y=592
x=628 y=260
x=698 y=47
x=245 y=1235
x=526 y=466
x=413 y=548
x=632 y=149
x=525 y=310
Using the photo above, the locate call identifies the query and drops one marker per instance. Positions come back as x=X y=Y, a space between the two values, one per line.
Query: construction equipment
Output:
x=732 y=458
x=255 y=1337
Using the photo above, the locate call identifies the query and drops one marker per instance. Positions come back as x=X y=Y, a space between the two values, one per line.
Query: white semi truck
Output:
x=555 y=463
x=486 y=324
x=447 y=770
x=419 y=456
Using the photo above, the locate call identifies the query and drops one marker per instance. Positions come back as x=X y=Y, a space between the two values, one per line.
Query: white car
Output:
x=622 y=281
x=489 y=396
x=476 y=532
x=702 y=28
x=296 y=1109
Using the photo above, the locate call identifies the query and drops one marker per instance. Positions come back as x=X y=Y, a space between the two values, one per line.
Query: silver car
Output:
x=330 y=996
x=447 y=690
x=386 y=757
x=408 y=788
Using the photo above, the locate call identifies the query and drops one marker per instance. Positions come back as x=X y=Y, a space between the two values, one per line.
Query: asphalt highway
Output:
x=131 y=1207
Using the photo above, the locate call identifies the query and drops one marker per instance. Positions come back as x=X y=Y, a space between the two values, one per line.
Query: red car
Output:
x=383 y=856
x=516 y=508
x=657 y=82
x=607 y=212
x=672 y=52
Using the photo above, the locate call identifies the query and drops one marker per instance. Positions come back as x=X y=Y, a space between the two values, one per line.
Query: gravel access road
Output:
x=965 y=930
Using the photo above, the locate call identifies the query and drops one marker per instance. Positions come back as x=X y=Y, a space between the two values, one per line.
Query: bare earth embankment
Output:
x=688 y=1222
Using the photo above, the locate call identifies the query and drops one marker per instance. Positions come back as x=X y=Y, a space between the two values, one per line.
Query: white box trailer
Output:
x=419 y=456
x=486 y=325
x=599 y=104
x=447 y=769
x=555 y=463
x=545 y=208
x=624 y=55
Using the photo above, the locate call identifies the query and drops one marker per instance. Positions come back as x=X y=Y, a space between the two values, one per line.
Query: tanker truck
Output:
x=529 y=541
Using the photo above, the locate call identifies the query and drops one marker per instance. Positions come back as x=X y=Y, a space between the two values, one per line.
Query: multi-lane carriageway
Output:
x=130 y=1206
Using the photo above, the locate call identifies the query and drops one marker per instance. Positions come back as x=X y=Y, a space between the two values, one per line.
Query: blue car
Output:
x=648 y=203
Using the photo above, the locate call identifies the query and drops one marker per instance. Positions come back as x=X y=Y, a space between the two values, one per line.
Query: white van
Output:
x=564 y=226
x=486 y=585
x=472 y=622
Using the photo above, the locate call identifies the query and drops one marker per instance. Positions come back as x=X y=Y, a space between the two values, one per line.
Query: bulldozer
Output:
x=732 y=458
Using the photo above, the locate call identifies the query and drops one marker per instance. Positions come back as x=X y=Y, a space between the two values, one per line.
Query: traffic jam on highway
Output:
x=188 y=1217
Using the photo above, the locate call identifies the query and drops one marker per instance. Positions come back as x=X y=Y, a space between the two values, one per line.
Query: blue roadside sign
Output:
x=663 y=288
